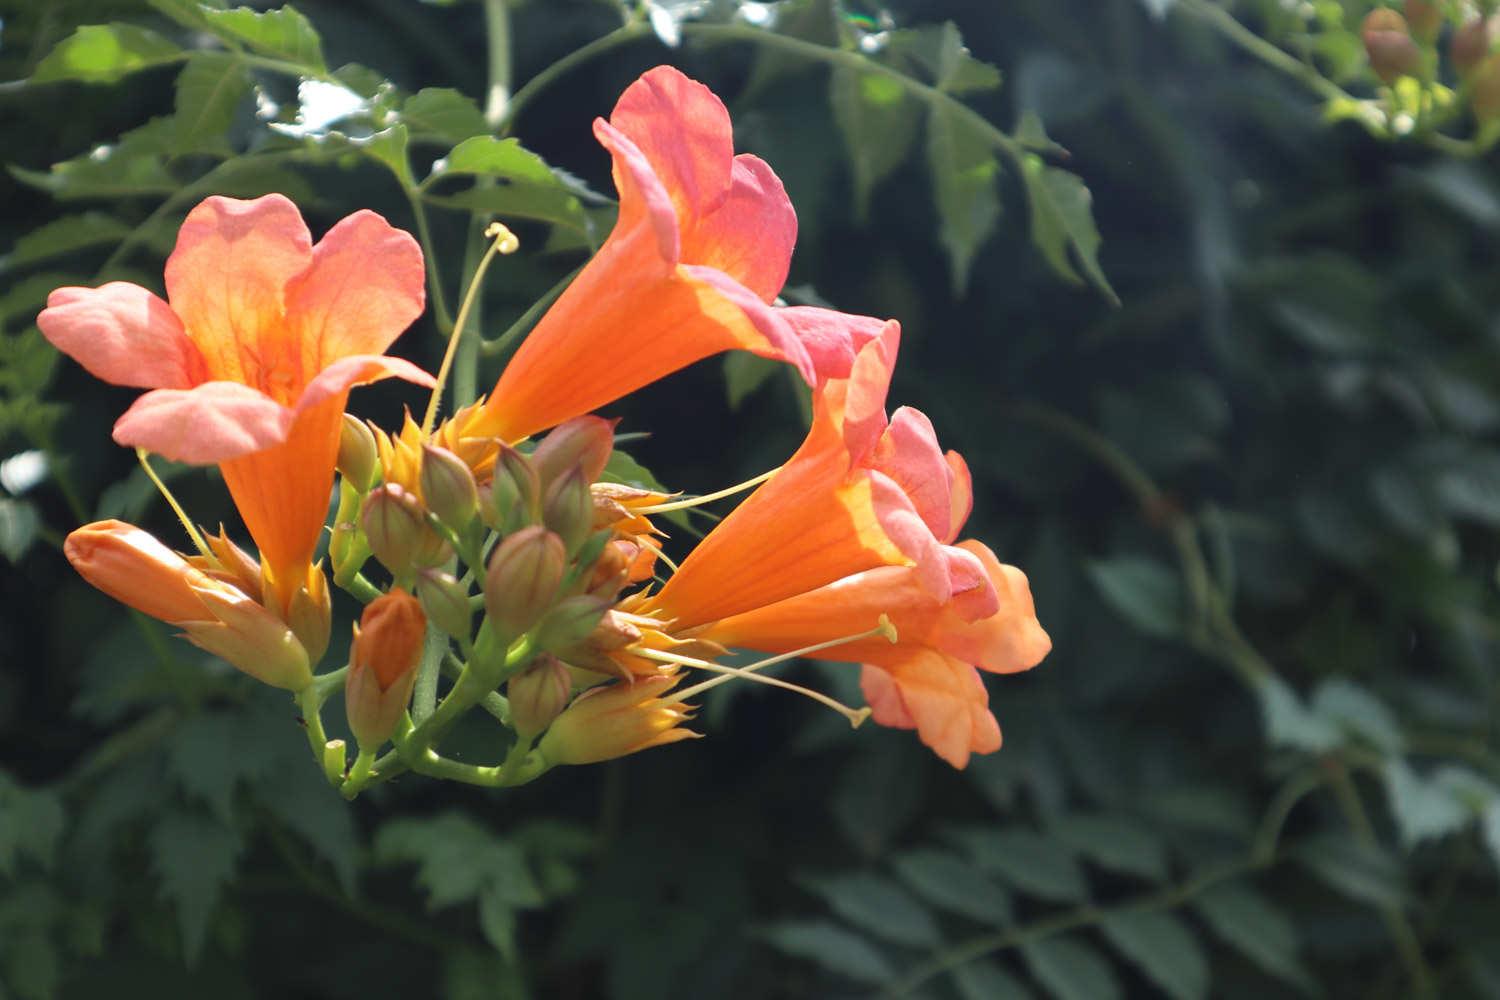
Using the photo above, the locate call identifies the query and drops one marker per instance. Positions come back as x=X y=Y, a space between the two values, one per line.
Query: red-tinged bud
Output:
x=515 y=491
x=231 y=564
x=612 y=721
x=570 y=622
x=383 y=666
x=1484 y=97
x=1425 y=18
x=611 y=571
x=445 y=598
x=585 y=442
x=396 y=528
x=310 y=615
x=1470 y=44
x=538 y=695
x=1389 y=45
x=359 y=459
x=568 y=508
x=521 y=583
x=134 y=568
x=448 y=487
x=615 y=631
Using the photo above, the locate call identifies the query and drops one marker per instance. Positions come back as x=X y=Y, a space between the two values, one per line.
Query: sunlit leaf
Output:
x=878 y=120
x=64 y=235
x=1062 y=223
x=283 y=33
x=965 y=174
x=209 y=91
x=443 y=113
x=105 y=53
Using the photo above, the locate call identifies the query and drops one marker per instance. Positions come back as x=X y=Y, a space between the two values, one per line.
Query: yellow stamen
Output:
x=884 y=628
x=504 y=242
x=662 y=508
x=855 y=716
x=187 y=524
x=641 y=541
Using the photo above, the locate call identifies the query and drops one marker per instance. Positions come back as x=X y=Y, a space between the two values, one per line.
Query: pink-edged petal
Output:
x=346 y=373
x=884 y=699
x=781 y=343
x=831 y=338
x=212 y=422
x=948 y=705
x=1011 y=639
x=750 y=236
x=973 y=594
x=364 y=287
x=122 y=334
x=227 y=276
x=644 y=201
x=909 y=533
x=908 y=452
x=684 y=131
x=960 y=494
x=864 y=392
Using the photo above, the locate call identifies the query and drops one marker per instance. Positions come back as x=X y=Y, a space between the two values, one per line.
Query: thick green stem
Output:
x=424 y=694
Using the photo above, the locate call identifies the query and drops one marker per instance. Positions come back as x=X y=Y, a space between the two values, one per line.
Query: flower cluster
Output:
x=515 y=566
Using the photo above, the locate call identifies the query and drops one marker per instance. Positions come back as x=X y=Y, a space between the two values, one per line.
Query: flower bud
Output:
x=614 y=631
x=1425 y=18
x=358 y=461
x=520 y=585
x=616 y=720
x=310 y=616
x=570 y=622
x=383 y=666
x=1469 y=45
x=1484 y=98
x=585 y=442
x=515 y=491
x=568 y=508
x=235 y=565
x=446 y=600
x=397 y=530
x=1392 y=52
x=538 y=695
x=612 y=569
x=448 y=487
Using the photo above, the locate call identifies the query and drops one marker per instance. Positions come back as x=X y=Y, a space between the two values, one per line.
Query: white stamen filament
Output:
x=729 y=491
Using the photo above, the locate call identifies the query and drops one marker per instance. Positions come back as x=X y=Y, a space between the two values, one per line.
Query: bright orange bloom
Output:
x=131 y=566
x=615 y=720
x=861 y=492
x=383 y=665
x=700 y=250
x=252 y=361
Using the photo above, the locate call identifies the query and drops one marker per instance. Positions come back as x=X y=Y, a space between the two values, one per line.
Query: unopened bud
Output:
x=568 y=508
x=310 y=615
x=1484 y=98
x=585 y=442
x=448 y=487
x=359 y=460
x=515 y=492
x=616 y=720
x=614 y=632
x=520 y=585
x=1388 y=43
x=1469 y=45
x=234 y=564
x=538 y=695
x=383 y=666
x=396 y=528
x=570 y=622
x=612 y=569
x=446 y=600
x=1425 y=18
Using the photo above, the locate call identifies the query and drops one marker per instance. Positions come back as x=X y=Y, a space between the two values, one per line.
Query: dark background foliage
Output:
x=1257 y=501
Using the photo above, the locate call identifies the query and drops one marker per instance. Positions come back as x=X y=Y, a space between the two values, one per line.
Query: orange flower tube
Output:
x=699 y=252
x=251 y=362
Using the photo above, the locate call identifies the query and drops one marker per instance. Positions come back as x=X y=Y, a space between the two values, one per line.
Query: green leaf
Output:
x=1248 y=922
x=965 y=176
x=986 y=980
x=1070 y=969
x=31 y=820
x=304 y=802
x=1489 y=823
x=32 y=967
x=939 y=50
x=948 y=882
x=527 y=186
x=64 y=235
x=19 y=524
x=189 y=13
x=443 y=113
x=133 y=166
x=1472 y=488
x=104 y=53
x=1031 y=134
x=878 y=906
x=1424 y=809
x=209 y=90
x=1142 y=591
x=1116 y=842
x=1365 y=873
x=1030 y=862
x=457 y=859
x=283 y=33
x=832 y=948
x=388 y=146
x=1288 y=721
x=193 y=857
x=878 y=120
x=1062 y=219
x=207 y=758
x=1166 y=951
x=744 y=373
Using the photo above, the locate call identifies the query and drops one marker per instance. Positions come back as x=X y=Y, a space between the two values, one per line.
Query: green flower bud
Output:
x=585 y=442
x=568 y=509
x=520 y=585
x=359 y=460
x=396 y=528
x=446 y=600
x=538 y=695
x=448 y=487
x=515 y=492
x=570 y=622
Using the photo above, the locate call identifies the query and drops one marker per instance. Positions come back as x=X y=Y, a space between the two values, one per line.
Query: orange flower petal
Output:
x=943 y=699
x=683 y=130
x=749 y=236
x=131 y=566
x=212 y=422
x=122 y=334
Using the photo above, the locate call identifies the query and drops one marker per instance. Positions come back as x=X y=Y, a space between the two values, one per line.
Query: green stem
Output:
x=1266 y=51
x=424 y=694
x=440 y=314
x=521 y=98
x=311 y=706
x=500 y=346
x=359 y=585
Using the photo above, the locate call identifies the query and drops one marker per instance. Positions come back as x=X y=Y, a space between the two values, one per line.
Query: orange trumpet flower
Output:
x=251 y=362
x=700 y=250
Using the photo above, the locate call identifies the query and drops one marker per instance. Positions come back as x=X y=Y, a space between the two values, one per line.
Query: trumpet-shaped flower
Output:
x=700 y=250
x=131 y=566
x=862 y=491
x=252 y=355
